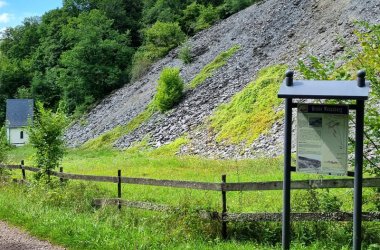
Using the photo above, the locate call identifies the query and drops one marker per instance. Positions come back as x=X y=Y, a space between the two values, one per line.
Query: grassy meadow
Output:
x=65 y=216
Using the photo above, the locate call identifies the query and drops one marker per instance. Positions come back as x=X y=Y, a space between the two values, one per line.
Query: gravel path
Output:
x=14 y=239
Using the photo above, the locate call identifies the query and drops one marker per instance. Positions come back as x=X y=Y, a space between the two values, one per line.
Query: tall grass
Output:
x=65 y=215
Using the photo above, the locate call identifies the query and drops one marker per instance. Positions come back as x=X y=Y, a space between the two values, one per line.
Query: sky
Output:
x=13 y=12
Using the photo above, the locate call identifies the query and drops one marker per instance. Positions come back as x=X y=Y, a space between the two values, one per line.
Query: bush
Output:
x=169 y=90
x=140 y=64
x=164 y=35
x=46 y=137
x=4 y=146
x=232 y=6
x=207 y=17
x=158 y=41
x=189 y=17
x=185 y=54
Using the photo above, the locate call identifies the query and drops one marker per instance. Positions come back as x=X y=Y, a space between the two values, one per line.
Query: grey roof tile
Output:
x=18 y=112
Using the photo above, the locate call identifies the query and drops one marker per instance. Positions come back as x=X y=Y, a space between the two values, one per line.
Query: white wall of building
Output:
x=17 y=136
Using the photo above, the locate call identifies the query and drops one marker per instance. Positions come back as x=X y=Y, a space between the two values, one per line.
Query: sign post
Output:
x=322 y=135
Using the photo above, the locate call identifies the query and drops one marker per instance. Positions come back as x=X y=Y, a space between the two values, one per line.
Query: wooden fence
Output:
x=222 y=187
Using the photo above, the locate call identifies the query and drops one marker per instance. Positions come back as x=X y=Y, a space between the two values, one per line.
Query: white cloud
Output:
x=2 y=4
x=5 y=17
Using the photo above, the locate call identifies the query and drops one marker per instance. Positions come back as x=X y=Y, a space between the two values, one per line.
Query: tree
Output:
x=13 y=74
x=4 y=146
x=20 y=42
x=164 y=35
x=189 y=17
x=45 y=87
x=169 y=90
x=98 y=61
x=159 y=39
x=207 y=17
x=46 y=136
x=168 y=11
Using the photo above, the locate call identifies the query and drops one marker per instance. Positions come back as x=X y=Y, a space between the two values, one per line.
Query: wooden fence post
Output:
x=224 y=203
x=61 y=171
x=23 y=170
x=119 y=187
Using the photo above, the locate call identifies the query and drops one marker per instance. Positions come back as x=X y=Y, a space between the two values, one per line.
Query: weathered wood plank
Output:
x=10 y=166
x=276 y=217
x=243 y=186
x=242 y=217
x=132 y=204
x=307 y=184
x=85 y=177
x=173 y=183
x=32 y=169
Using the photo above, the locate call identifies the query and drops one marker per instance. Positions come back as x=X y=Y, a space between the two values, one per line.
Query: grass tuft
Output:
x=210 y=68
x=107 y=139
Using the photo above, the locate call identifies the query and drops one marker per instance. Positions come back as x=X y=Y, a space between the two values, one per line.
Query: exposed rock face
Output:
x=271 y=32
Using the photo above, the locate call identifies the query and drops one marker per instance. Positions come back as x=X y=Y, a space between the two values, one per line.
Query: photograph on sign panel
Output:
x=315 y=122
x=308 y=163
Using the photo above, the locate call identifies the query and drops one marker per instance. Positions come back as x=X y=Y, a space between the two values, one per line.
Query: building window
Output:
x=21 y=134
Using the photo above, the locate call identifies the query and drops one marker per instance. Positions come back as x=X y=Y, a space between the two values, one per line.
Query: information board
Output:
x=322 y=135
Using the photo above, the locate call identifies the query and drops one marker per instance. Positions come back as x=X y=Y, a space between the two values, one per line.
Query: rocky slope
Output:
x=271 y=32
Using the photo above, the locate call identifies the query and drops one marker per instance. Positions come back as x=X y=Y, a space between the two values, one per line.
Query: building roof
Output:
x=18 y=112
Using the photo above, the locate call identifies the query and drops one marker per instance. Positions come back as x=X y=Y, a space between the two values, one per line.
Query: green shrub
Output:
x=232 y=6
x=45 y=135
x=207 y=17
x=169 y=90
x=164 y=35
x=4 y=146
x=185 y=54
x=140 y=64
x=158 y=41
x=189 y=17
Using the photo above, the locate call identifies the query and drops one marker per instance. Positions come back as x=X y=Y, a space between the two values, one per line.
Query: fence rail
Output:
x=241 y=217
x=211 y=186
x=222 y=187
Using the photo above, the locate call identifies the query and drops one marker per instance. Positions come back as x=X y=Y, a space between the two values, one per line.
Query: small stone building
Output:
x=18 y=115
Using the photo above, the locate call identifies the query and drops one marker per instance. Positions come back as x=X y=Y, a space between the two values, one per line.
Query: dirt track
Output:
x=12 y=238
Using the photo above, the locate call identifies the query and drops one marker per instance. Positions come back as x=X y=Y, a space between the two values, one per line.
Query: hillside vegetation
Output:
x=252 y=111
x=221 y=112
x=72 y=57
x=214 y=95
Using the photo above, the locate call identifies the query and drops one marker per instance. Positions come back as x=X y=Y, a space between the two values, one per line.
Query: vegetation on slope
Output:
x=210 y=68
x=252 y=111
x=74 y=56
x=169 y=92
x=107 y=139
x=169 y=89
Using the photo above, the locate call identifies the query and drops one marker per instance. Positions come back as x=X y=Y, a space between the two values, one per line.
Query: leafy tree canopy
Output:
x=75 y=55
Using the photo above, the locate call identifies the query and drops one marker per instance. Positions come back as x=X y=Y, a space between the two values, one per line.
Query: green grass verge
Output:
x=65 y=216
x=107 y=139
x=210 y=68
x=142 y=148
x=251 y=112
